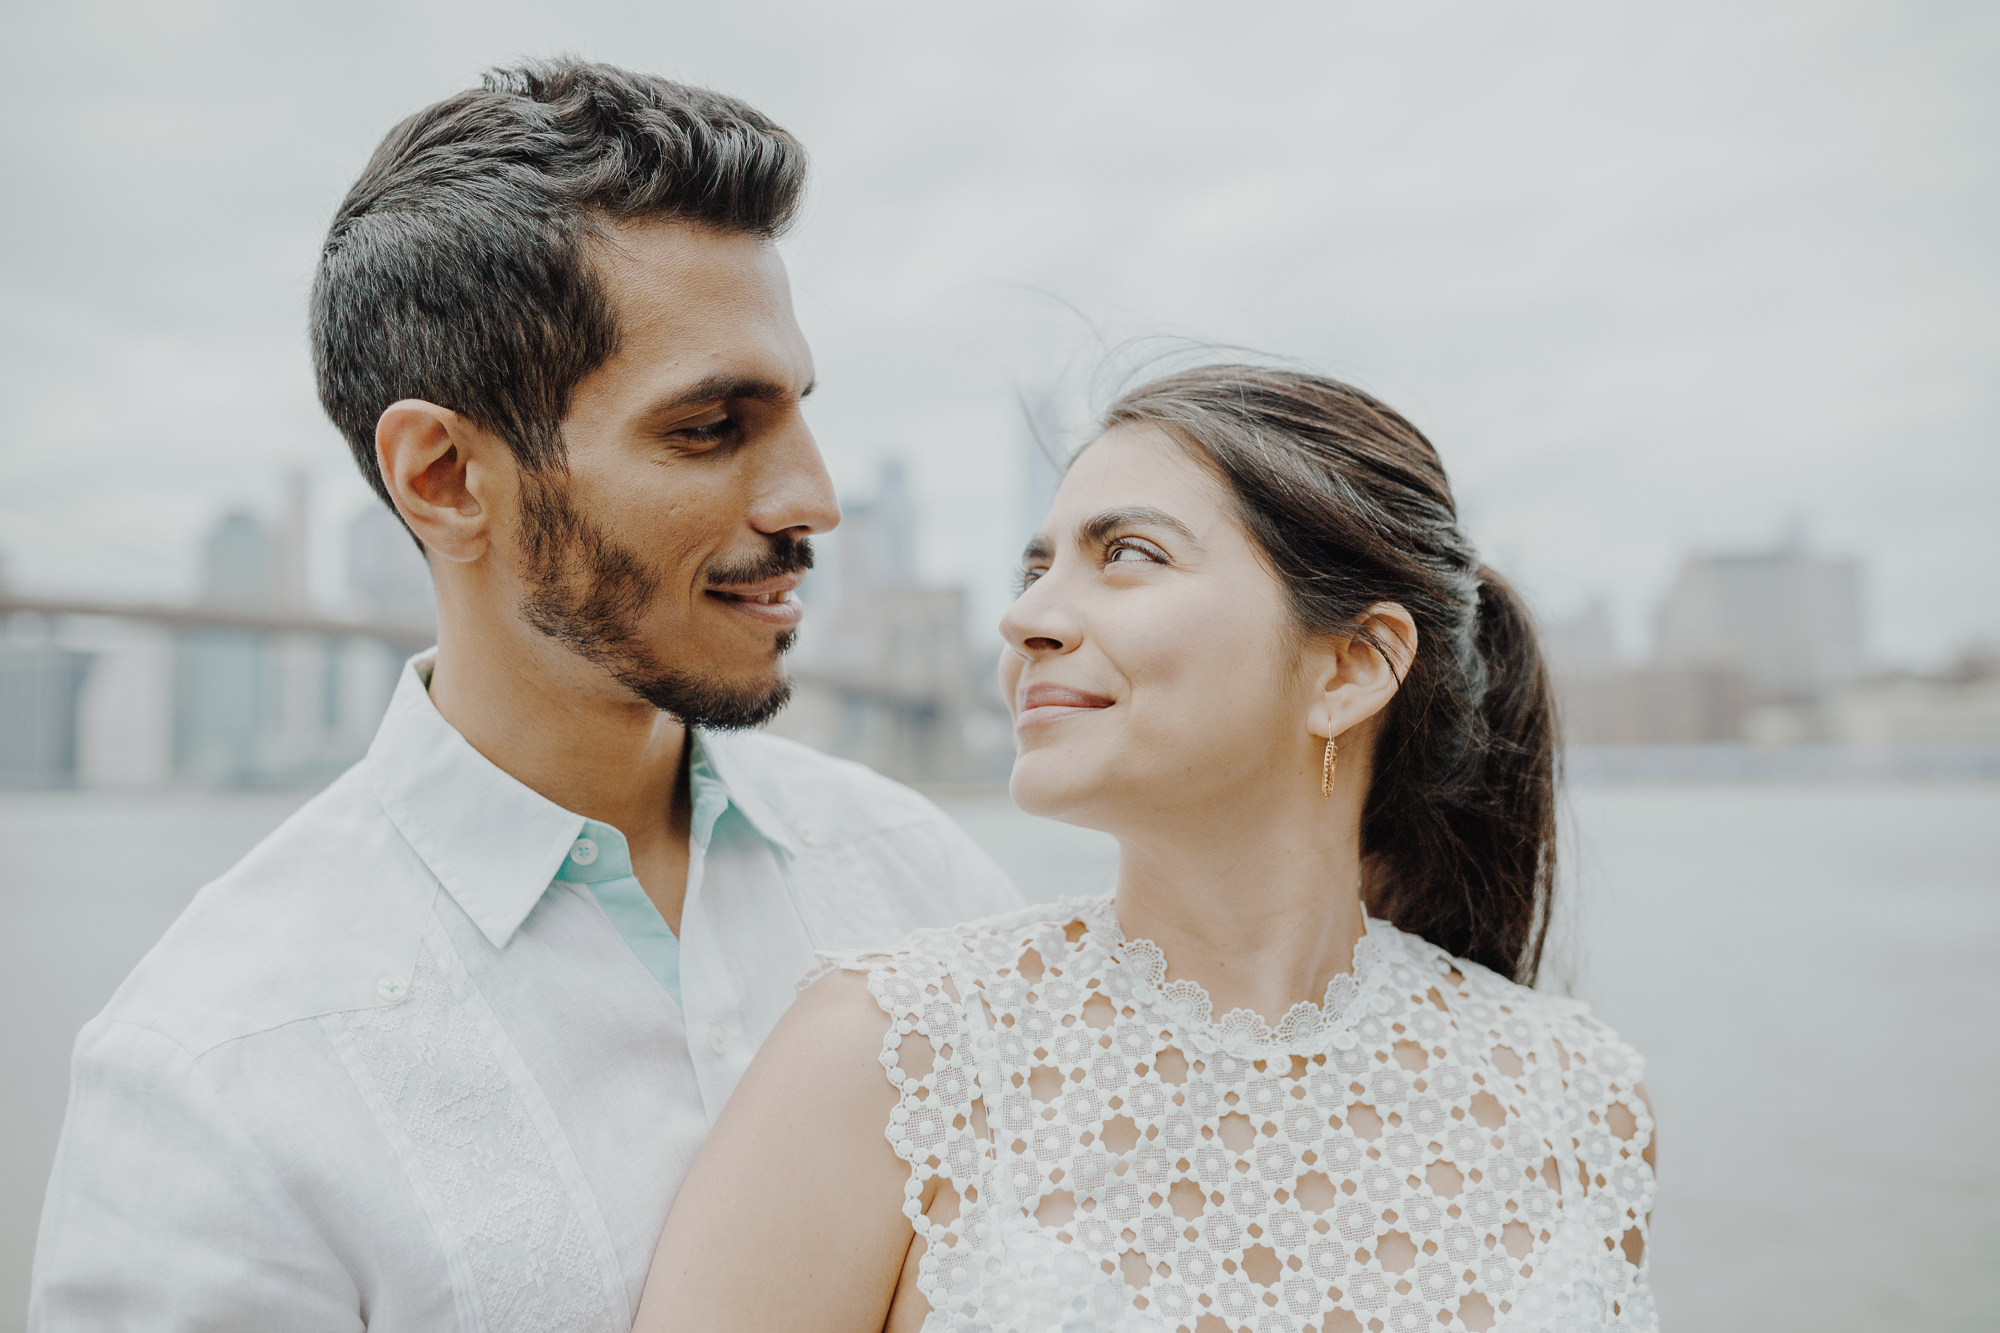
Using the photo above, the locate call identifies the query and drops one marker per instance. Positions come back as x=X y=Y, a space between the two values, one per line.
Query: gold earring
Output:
x=1327 y=770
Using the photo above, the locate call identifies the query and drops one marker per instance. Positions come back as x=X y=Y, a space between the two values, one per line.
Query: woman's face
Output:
x=1153 y=673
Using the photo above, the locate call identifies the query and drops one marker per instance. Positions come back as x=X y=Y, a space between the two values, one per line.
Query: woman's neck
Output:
x=1261 y=910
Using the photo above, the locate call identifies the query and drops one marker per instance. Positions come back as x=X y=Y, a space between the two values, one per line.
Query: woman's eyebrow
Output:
x=1101 y=525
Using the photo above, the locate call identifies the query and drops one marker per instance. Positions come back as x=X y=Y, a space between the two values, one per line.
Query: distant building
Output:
x=40 y=684
x=1959 y=706
x=259 y=707
x=1789 y=620
x=1750 y=648
x=1653 y=706
x=250 y=686
x=237 y=565
x=882 y=671
x=125 y=717
x=226 y=680
x=387 y=576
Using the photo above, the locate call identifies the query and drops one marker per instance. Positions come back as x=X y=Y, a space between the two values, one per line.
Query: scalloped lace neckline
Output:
x=1306 y=1029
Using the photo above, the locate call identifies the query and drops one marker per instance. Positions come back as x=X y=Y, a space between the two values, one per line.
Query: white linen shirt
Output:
x=384 y=1074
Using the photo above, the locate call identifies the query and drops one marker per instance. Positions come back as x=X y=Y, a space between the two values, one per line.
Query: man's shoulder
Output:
x=818 y=798
x=310 y=921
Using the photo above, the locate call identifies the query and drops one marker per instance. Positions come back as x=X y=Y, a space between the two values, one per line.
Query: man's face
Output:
x=669 y=551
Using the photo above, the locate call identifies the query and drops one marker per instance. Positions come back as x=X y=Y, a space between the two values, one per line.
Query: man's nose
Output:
x=799 y=497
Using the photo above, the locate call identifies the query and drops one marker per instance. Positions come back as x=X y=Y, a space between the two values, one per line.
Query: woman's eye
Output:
x=1127 y=552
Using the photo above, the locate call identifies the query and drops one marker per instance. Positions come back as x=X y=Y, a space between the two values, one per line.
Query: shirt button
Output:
x=584 y=852
x=391 y=988
x=716 y=1041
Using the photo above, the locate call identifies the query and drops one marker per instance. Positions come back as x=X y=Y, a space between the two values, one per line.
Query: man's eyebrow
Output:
x=725 y=386
x=1039 y=547
x=1101 y=525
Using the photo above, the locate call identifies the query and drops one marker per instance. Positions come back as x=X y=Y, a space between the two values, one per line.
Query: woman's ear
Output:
x=439 y=468
x=1357 y=674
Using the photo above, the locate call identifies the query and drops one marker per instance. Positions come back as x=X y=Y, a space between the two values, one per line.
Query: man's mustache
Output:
x=788 y=555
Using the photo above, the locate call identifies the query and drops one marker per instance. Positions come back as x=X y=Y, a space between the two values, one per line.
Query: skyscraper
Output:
x=39 y=686
x=1788 y=619
x=387 y=576
x=881 y=670
x=225 y=680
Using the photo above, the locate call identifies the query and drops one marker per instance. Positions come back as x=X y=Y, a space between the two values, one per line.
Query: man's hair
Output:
x=458 y=269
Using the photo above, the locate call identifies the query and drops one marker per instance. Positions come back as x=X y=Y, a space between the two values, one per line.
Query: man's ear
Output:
x=441 y=470
x=1354 y=678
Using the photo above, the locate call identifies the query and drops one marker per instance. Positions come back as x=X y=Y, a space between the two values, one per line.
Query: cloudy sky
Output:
x=1655 y=278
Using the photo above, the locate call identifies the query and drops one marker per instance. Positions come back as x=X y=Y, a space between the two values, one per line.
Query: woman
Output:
x=1289 y=1075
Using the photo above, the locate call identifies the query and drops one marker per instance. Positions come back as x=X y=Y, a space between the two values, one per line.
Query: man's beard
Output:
x=589 y=593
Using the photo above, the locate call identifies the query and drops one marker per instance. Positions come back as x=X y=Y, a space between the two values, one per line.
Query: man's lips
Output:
x=770 y=601
x=1040 y=704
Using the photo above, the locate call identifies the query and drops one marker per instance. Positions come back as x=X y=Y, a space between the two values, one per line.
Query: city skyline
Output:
x=328 y=578
x=255 y=683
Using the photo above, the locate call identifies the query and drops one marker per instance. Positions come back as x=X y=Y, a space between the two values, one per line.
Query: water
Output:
x=1807 y=967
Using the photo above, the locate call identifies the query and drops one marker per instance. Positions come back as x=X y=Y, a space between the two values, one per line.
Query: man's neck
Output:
x=563 y=728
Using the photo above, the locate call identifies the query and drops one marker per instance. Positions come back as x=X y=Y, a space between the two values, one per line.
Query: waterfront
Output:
x=1807 y=967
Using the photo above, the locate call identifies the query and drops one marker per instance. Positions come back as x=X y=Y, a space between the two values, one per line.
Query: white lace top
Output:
x=1431 y=1148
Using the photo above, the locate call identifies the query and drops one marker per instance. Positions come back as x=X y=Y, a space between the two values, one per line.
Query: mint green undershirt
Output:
x=601 y=861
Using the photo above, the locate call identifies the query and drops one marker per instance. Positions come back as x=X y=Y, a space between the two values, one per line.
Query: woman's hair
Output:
x=1350 y=506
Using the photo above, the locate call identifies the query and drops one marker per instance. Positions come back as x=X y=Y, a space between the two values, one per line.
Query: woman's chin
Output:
x=1029 y=795
x=1043 y=785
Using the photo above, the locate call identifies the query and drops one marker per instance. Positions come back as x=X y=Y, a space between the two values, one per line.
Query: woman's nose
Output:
x=1037 y=625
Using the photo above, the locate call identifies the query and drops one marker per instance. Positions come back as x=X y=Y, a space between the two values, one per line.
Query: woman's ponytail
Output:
x=1459 y=831
x=1519 y=781
x=1351 y=504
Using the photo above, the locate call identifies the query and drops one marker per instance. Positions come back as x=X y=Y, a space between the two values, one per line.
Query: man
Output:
x=437 y=1054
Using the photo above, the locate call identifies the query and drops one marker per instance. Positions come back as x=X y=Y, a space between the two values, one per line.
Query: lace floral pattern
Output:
x=1430 y=1148
x=1306 y=1027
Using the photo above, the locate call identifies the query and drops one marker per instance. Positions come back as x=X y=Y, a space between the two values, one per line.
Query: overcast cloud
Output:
x=1653 y=278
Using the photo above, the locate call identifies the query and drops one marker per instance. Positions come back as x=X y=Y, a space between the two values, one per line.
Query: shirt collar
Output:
x=714 y=754
x=601 y=853
x=494 y=843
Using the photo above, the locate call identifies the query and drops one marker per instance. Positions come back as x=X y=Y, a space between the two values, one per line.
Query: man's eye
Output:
x=1027 y=577
x=709 y=434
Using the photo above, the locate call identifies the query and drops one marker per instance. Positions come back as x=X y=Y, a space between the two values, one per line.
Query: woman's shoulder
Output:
x=914 y=1007
x=1512 y=1020
x=973 y=949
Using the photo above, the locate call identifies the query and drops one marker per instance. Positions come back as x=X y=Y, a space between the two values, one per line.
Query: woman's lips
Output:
x=1040 y=705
